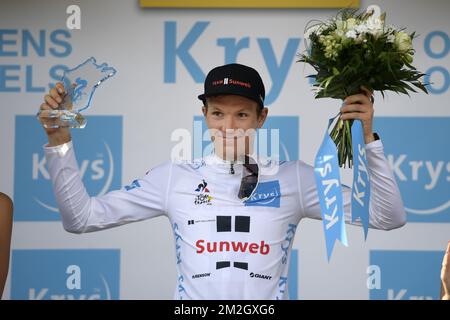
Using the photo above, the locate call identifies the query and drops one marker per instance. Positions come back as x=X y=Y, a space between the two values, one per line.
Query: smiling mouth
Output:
x=231 y=140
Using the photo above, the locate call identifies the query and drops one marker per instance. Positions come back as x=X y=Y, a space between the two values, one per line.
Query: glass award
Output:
x=80 y=84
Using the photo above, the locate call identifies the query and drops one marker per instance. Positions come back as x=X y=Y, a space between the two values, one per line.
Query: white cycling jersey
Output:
x=226 y=248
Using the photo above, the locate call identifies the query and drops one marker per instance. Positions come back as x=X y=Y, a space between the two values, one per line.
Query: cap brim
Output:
x=203 y=97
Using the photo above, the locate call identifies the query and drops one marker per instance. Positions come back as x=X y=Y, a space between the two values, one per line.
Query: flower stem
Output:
x=341 y=134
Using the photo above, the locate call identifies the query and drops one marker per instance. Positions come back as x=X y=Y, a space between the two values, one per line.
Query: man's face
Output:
x=232 y=121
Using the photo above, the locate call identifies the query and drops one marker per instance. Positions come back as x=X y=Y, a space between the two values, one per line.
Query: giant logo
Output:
x=407 y=275
x=279 y=136
x=65 y=274
x=417 y=150
x=98 y=150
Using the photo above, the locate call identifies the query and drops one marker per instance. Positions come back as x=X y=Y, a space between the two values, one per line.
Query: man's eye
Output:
x=217 y=113
x=243 y=115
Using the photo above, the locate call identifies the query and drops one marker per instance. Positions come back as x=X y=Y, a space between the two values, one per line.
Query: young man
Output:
x=233 y=218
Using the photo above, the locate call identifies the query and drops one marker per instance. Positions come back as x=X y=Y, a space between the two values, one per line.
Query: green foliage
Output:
x=354 y=50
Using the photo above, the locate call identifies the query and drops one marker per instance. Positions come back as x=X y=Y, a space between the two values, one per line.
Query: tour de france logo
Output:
x=203 y=196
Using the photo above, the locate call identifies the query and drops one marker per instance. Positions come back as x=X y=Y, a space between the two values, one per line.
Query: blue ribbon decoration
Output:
x=361 y=180
x=328 y=182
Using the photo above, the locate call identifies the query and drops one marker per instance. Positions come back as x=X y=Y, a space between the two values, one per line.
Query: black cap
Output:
x=235 y=79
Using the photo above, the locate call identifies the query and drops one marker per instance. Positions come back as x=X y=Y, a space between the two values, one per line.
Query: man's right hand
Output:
x=52 y=101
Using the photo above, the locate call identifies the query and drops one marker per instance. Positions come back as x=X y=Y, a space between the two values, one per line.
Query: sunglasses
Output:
x=250 y=181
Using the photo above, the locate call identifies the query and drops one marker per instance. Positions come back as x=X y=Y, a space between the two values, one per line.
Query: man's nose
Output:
x=228 y=124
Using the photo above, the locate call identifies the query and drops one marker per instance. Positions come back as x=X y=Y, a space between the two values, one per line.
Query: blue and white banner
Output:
x=361 y=183
x=329 y=188
x=65 y=274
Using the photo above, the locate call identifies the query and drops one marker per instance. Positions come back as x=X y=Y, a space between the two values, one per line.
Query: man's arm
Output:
x=386 y=209
x=82 y=213
x=144 y=199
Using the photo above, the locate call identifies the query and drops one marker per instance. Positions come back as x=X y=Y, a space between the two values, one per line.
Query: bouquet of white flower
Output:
x=354 y=50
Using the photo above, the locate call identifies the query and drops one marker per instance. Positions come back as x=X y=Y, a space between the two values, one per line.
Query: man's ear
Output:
x=204 y=110
x=262 y=118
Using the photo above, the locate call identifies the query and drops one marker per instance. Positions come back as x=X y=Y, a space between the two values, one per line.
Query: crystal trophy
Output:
x=80 y=84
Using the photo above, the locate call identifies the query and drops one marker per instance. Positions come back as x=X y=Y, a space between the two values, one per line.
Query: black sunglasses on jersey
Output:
x=250 y=181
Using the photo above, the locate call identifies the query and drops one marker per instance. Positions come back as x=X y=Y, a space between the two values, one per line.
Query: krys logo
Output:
x=417 y=150
x=267 y=194
x=98 y=149
x=406 y=275
x=65 y=274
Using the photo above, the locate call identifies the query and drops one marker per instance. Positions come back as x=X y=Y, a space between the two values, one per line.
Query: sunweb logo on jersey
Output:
x=65 y=274
x=225 y=224
x=420 y=160
x=98 y=150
